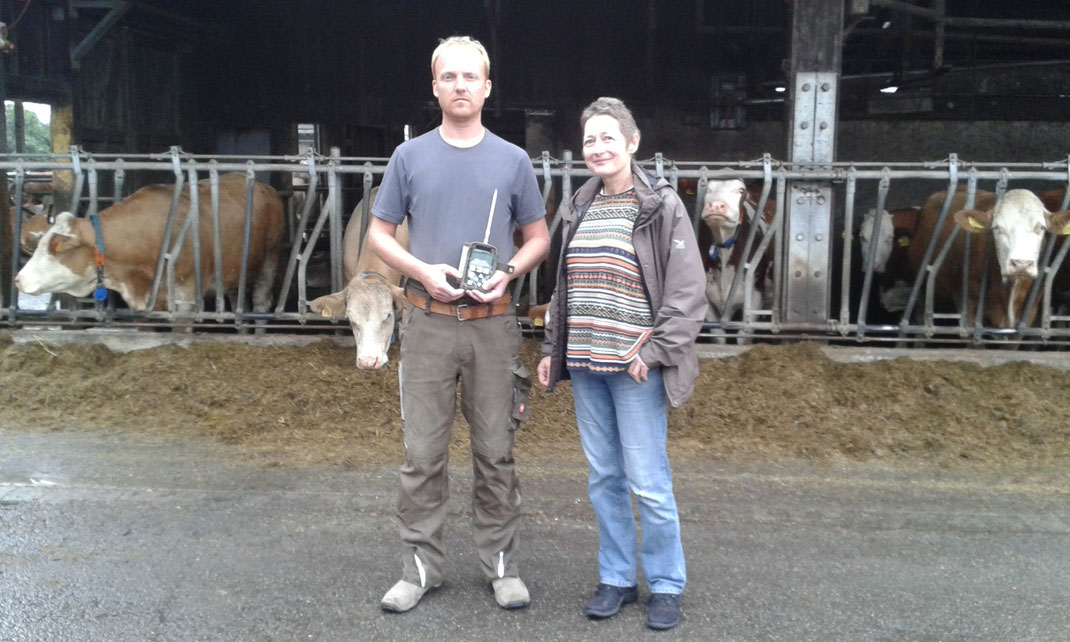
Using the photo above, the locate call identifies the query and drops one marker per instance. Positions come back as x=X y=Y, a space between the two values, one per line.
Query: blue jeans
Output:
x=622 y=427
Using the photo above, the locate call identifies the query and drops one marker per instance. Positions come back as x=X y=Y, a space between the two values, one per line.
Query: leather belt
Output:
x=460 y=311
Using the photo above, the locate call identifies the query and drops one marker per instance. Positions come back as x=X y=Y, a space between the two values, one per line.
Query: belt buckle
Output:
x=457 y=310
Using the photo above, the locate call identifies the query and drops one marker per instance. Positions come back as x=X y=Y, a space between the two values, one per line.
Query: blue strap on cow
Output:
x=727 y=244
x=100 y=293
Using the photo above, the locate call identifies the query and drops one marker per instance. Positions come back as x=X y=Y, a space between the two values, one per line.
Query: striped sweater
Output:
x=609 y=315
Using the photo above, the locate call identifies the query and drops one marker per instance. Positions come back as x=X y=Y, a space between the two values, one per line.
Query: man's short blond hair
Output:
x=461 y=41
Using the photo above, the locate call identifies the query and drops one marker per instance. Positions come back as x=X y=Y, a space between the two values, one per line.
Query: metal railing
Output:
x=316 y=224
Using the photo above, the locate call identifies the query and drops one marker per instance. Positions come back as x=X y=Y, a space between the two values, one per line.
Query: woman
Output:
x=628 y=304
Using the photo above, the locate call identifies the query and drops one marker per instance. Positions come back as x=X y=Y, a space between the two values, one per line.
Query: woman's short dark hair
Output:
x=614 y=108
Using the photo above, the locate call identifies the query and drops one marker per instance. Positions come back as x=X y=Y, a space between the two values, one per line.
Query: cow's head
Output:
x=1018 y=223
x=368 y=302
x=61 y=261
x=724 y=199
x=885 y=239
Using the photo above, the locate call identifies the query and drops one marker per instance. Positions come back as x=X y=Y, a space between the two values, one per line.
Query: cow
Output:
x=891 y=263
x=726 y=202
x=133 y=230
x=1015 y=225
x=33 y=228
x=1053 y=201
x=371 y=293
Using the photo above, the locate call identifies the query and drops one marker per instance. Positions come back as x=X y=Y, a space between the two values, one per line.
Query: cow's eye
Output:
x=1040 y=228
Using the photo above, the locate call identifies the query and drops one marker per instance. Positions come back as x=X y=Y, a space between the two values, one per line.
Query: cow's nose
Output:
x=1022 y=266
x=368 y=363
x=716 y=208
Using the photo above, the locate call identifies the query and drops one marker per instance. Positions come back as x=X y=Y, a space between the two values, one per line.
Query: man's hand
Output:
x=637 y=370
x=495 y=288
x=434 y=279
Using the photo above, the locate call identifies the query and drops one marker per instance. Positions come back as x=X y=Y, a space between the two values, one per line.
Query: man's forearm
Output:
x=532 y=253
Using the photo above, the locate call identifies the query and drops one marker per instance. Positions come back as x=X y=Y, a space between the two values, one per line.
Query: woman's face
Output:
x=605 y=150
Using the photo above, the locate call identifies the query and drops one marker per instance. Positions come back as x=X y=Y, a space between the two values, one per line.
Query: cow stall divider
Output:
x=329 y=184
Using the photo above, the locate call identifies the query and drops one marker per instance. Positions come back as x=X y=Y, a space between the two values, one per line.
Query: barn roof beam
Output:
x=954 y=21
x=117 y=11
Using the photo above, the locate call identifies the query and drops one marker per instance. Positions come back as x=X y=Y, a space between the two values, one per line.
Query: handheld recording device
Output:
x=480 y=260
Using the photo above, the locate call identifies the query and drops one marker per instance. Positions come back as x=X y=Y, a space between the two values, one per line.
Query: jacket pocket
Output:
x=521 y=394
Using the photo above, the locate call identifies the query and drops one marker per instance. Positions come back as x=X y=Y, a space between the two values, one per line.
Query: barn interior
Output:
x=711 y=81
x=706 y=76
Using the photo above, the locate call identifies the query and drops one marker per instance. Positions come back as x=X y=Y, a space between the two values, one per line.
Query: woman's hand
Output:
x=544 y=372
x=636 y=370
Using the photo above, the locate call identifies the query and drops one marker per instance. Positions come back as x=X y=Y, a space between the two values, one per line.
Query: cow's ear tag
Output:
x=974 y=224
x=903 y=241
x=100 y=293
x=1066 y=230
x=326 y=312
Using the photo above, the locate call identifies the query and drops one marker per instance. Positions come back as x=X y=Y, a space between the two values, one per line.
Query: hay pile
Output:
x=295 y=406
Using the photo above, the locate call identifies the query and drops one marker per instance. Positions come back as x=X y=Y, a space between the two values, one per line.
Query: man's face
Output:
x=460 y=83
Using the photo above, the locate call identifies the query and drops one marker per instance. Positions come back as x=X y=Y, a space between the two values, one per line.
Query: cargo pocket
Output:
x=521 y=394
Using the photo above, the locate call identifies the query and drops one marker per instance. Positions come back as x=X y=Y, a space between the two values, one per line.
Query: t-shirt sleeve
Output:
x=391 y=204
x=527 y=200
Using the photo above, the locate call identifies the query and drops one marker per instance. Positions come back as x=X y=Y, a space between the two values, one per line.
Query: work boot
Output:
x=608 y=599
x=663 y=612
x=510 y=592
x=403 y=596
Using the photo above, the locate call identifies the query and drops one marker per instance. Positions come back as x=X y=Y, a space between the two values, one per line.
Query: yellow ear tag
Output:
x=326 y=312
x=538 y=323
x=59 y=246
x=1066 y=230
x=903 y=241
x=974 y=224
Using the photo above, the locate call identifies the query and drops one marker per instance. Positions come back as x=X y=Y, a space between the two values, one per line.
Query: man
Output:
x=448 y=182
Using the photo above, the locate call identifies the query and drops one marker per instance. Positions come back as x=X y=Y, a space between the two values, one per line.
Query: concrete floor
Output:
x=118 y=537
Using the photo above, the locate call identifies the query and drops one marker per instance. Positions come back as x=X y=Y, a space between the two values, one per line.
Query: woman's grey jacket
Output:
x=671 y=267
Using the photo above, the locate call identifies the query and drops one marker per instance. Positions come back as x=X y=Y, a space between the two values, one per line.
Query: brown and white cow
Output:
x=1015 y=225
x=133 y=229
x=723 y=242
x=371 y=293
x=891 y=263
x=33 y=228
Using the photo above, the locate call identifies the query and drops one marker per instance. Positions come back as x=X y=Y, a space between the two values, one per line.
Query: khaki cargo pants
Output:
x=437 y=351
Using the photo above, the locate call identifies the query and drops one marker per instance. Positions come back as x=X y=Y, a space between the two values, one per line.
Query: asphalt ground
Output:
x=119 y=537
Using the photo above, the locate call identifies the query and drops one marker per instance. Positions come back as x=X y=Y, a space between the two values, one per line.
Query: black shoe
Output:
x=663 y=611
x=608 y=599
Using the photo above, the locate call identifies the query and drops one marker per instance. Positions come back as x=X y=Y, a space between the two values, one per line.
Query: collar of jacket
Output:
x=645 y=190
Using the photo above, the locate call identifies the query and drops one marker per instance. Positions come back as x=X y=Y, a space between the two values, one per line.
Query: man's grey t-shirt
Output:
x=446 y=192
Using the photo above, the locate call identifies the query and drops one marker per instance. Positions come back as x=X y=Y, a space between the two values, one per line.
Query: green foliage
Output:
x=38 y=134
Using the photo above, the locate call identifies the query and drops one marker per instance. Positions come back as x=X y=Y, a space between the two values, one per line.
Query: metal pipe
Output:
x=867 y=263
x=16 y=243
x=217 y=243
x=752 y=233
x=176 y=195
x=334 y=206
x=250 y=185
x=305 y=256
x=919 y=277
x=295 y=250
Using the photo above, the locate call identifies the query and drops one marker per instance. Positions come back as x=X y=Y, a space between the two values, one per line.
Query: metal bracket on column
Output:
x=809 y=203
x=814 y=125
